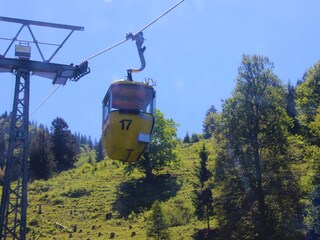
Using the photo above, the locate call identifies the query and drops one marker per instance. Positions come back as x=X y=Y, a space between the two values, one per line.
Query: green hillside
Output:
x=254 y=172
x=97 y=201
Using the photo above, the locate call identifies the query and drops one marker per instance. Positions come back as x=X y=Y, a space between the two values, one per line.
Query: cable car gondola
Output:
x=128 y=114
x=128 y=119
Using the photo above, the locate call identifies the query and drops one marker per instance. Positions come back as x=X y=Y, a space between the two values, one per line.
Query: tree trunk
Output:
x=262 y=225
x=208 y=221
x=148 y=167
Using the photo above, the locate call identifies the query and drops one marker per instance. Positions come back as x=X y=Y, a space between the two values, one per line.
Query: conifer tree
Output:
x=64 y=144
x=194 y=138
x=42 y=163
x=203 y=200
x=99 y=151
x=210 y=122
x=90 y=143
x=186 y=138
x=157 y=228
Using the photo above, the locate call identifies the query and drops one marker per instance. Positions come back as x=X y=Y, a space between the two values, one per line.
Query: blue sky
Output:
x=193 y=53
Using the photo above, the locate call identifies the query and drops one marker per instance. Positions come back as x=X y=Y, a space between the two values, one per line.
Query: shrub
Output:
x=40 y=186
x=177 y=213
x=34 y=222
x=76 y=192
x=57 y=201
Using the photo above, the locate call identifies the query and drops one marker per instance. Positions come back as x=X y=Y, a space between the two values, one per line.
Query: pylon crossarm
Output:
x=59 y=73
x=29 y=23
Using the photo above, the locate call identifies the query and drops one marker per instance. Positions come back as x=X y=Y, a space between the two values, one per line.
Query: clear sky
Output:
x=193 y=53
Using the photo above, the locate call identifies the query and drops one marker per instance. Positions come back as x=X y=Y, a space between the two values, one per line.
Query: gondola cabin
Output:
x=128 y=119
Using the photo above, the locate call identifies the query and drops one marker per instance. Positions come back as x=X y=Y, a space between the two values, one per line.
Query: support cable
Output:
x=152 y=22
x=105 y=50
x=44 y=100
x=133 y=35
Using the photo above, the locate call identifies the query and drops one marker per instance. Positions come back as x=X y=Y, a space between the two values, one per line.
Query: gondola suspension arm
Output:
x=139 y=42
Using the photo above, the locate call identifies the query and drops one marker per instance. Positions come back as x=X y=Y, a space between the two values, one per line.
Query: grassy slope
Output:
x=84 y=198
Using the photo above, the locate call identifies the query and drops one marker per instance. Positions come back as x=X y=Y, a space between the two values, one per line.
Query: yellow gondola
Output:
x=128 y=119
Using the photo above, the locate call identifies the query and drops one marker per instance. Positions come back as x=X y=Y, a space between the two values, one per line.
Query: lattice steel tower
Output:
x=13 y=209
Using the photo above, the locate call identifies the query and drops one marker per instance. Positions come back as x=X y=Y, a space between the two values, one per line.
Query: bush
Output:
x=34 y=222
x=177 y=213
x=39 y=186
x=57 y=201
x=76 y=193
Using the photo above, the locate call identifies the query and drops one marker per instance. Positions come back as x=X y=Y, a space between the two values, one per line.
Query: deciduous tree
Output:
x=308 y=104
x=161 y=151
x=256 y=127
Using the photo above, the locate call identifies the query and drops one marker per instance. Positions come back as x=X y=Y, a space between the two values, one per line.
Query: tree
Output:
x=308 y=104
x=90 y=143
x=210 y=122
x=161 y=151
x=157 y=228
x=3 y=149
x=203 y=200
x=41 y=160
x=291 y=108
x=308 y=107
x=4 y=136
x=194 y=138
x=313 y=218
x=99 y=151
x=186 y=138
x=64 y=145
x=211 y=109
x=255 y=119
x=308 y=95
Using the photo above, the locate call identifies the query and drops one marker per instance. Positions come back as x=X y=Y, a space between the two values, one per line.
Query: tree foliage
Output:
x=308 y=104
x=255 y=119
x=99 y=151
x=42 y=164
x=195 y=138
x=186 y=139
x=291 y=108
x=4 y=136
x=308 y=107
x=157 y=228
x=210 y=122
x=161 y=151
x=308 y=95
x=203 y=200
x=64 y=145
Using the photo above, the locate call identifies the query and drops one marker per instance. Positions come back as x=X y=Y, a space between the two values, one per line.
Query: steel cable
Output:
x=142 y=29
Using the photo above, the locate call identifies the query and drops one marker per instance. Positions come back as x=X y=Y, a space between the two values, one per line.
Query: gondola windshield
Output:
x=132 y=97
